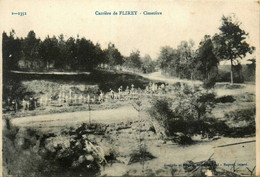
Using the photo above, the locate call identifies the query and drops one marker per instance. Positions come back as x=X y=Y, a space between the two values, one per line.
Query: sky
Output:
x=180 y=20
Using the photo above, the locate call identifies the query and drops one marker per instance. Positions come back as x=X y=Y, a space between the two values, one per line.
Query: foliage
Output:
x=56 y=53
x=202 y=64
x=241 y=115
x=193 y=102
x=28 y=152
x=32 y=53
x=209 y=83
x=245 y=119
x=175 y=123
x=14 y=90
x=230 y=43
x=11 y=48
x=207 y=63
x=148 y=65
x=140 y=156
x=185 y=62
x=178 y=62
x=134 y=60
x=244 y=72
x=113 y=56
x=178 y=114
x=166 y=56
x=49 y=51
x=226 y=99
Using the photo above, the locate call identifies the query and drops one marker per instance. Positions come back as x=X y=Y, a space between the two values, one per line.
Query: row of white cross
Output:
x=68 y=97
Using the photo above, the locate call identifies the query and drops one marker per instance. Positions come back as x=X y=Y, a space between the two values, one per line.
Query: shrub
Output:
x=216 y=127
x=183 y=139
x=209 y=82
x=161 y=109
x=226 y=99
x=187 y=127
x=140 y=155
x=13 y=90
x=193 y=103
x=185 y=112
x=239 y=132
x=242 y=115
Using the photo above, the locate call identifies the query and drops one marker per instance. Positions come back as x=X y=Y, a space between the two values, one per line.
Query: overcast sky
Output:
x=179 y=21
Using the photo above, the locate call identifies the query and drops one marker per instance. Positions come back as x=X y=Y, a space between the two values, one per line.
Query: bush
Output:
x=240 y=132
x=242 y=115
x=185 y=112
x=247 y=116
x=161 y=109
x=188 y=114
x=226 y=99
x=216 y=127
x=13 y=90
x=193 y=103
x=183 y=139
x=188 y=127
x=140 y=155
x=210 y=82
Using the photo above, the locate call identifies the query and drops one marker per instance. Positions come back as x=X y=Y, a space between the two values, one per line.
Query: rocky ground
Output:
x=135 y=147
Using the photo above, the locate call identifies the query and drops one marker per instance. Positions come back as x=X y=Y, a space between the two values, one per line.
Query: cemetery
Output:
x=66 y=97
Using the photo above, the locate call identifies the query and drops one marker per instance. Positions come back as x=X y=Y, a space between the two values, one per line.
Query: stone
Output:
x=81 y=159
x=89 y=158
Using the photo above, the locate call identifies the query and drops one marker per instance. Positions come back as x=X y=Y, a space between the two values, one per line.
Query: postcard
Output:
x=130 y=88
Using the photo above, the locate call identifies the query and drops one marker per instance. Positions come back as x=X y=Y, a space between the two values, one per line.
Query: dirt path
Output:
x=158 y=76
x=250 y=88
x=122 y=114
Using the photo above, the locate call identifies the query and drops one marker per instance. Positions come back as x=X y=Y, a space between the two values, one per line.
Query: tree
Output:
x=186 y=56
x=50 y=51
x=113 y=56
x=62 y=61
x=30 y=49
x=85 y=54
x=230 y=43
x=32 y=53
x=100 y=56
x=71 y=53
x=11 y=51
x=178 y=62
x=165 y=57
x=148 y=65
x=206 y=59
x=134 y=60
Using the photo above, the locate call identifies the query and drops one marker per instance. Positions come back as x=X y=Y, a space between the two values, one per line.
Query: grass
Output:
x=38 y=85
x=104 y=79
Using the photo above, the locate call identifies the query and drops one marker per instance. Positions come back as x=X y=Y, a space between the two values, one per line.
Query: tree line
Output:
x=32 y=53
x=52 y=52
x=185 y=61
x=202 y=63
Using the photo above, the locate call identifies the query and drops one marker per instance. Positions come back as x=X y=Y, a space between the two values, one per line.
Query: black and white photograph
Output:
x=129 y=88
